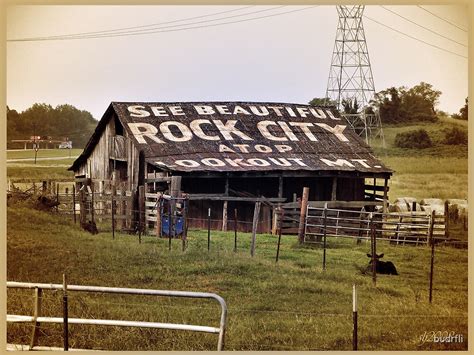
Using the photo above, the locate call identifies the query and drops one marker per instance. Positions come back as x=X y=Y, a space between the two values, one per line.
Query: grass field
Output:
x=289 y=305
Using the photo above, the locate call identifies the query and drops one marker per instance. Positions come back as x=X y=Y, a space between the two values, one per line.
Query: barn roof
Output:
x=240 y=136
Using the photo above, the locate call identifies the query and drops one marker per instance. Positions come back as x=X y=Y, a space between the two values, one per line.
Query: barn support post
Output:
x=275 y=214
x=256 y=214
x=122 y=204
x=432 y=243
x=375 y=188
x=112 y=207
x=92 y=202
x=209 y=229
x=224 y=206
x=304 y=205
x=334 y=189
x=82 y=207
x=74 y=202
x=385 y=196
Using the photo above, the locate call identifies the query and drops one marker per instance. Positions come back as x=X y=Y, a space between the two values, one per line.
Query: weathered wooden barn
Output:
x=231 y=154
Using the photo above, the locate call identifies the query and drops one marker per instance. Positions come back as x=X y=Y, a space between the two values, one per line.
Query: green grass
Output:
x=289 y=305
x=42 y=153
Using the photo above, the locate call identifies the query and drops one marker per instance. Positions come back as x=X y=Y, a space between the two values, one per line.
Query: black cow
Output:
x=381 y=267
x=91 y=227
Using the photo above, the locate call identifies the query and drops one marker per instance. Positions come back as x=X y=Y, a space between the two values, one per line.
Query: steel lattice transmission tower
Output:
x=350 y=75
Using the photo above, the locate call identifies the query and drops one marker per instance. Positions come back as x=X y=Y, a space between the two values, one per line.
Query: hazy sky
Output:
x=282 y=58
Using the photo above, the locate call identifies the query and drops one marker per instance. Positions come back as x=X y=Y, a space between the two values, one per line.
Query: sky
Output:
x=281 y=58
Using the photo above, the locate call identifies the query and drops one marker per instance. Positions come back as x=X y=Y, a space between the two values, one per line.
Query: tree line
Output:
x=400 y=105
x=63 y=122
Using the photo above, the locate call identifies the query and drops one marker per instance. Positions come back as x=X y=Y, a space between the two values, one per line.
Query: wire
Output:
x=443 y=19
x=172 y=30
x=144 y=26
x=427 y=29
x=412 y=37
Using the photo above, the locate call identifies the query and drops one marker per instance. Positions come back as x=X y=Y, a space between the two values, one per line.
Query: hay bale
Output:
x=404 y=204
x=432 y=204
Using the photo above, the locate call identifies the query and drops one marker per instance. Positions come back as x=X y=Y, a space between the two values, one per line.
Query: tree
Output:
x=322 y=101
x=401 y=105
x=350 y=106
x=463 y=112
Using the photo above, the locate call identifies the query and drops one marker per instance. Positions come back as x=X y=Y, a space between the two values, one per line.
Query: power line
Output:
x=443 y=19
x=144 y=32
x=144 y=26
x=137 y=29
x=427 y=29
x=412 y=37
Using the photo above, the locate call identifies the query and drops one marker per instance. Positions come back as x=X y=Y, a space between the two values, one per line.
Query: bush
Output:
x=417 y=139
x=455 y=136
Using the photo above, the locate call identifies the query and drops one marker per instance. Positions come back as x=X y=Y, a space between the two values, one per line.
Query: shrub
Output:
x=454 y=136
x=413 y=139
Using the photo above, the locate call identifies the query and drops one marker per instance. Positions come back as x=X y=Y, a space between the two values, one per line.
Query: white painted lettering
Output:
x=239 y=109
x=141 y=130
x=212 y=162
x=277 y=110
x=338 y=162
x=159 y=111
x=177 y=111
x=242 y=147
x=223 y=148
x=263 y=110
x=186 y=133
x=305 y=128
x=138 y=111
x=228 y=128
x=258 y=162
x=290 y=111
x=195 y=126
x=236 y=162
x=318 y=113
x=204 y=110
x=298 y=161
x=188 y=163
x=303 y=111
x=337 y=131
x=289 y=133
x=362 y=162
x=223 y=110
x=263 y=148
x=262 y=126
x=329 y=113
x=282 y=148
x=280 y=161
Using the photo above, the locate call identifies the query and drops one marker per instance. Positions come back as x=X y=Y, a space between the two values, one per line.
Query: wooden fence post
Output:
x=65 y=316
x=141 y=209
x=57 y=197
x=185 y=223
x=224 y=216
x=374 y=249
x=92 y=202
x=209 y=229
x=158 y=216
x=170 y=224
x=354 y=317
x=432 y=242
x=256 y=214
x=37 y=313
x=446 y=219
x=112 y=207
x=235 y=230
x=304 y=205
x=325 y=223
x=280 y=212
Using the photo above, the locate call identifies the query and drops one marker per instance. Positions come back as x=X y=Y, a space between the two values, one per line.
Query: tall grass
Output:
x=289 y=305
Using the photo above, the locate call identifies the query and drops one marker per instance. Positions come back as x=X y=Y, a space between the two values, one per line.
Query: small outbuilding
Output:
x=224 y=155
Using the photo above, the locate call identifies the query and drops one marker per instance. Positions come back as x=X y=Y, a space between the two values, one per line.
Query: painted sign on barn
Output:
x=241 y=136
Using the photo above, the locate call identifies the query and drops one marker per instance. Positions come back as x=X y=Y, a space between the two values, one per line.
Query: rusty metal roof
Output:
x=242 y=136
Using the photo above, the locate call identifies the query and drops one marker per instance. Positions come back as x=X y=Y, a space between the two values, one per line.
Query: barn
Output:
x=227 y=155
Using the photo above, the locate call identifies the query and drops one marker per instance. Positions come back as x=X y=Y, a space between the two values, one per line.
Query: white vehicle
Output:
x=66 y=145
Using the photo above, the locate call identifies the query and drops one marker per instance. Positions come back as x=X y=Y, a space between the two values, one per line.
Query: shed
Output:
x=227 y=154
